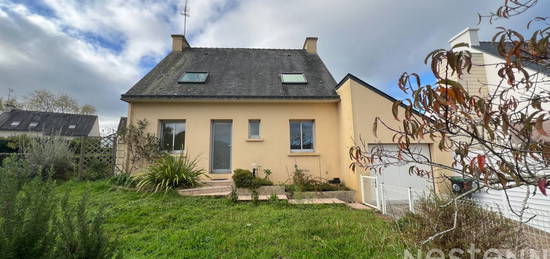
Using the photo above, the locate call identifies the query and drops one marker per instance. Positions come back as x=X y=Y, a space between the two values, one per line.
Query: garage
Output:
x=394 y=186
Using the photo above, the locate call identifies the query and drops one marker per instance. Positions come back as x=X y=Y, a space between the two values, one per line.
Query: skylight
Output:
x=293 y=78
x=72 y=126
x=193 y=77
x=15 y=123
x=33 y=124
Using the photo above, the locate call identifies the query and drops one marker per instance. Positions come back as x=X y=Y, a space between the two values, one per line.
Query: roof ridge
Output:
x=238 y=48
x=56 y=113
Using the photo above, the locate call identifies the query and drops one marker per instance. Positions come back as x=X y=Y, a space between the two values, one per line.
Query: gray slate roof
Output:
x=491 y=48
x=48 y=122
x=237 y=73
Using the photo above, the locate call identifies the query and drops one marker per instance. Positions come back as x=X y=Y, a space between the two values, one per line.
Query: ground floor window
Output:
x=253 y=129
x=172 y=135
x=301 y=135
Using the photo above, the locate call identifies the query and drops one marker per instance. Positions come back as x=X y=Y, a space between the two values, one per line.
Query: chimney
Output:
x=179 y=43
x=468 y=35
x=310 y=45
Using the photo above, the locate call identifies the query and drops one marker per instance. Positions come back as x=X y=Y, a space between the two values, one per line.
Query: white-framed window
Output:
x=172 y=135
x=193 y=77
x=33 y=124
x=302 y=135
x=253 y=129
x=293 y=78
x=72 y=126
x=15 y=123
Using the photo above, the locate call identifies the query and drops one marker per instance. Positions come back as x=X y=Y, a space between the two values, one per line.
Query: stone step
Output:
x=218 y=182
x=359 y=206
x=204 y=190
x=316 y=201
x=261 y=197
x=213 y=194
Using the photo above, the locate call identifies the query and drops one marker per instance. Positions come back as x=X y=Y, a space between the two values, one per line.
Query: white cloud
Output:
x=69 y=51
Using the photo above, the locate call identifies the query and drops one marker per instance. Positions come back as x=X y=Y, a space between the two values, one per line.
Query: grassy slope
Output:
x=168 y=225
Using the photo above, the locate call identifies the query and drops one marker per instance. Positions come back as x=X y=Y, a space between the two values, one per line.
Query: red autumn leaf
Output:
x=481 y=162
x=542 y=186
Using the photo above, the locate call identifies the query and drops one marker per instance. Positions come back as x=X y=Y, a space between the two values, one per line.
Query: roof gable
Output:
x=236 y=73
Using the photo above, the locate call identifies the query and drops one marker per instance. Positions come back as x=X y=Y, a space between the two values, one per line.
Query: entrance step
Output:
x=218 y=182
x=261 y=197
x=358 y=206
x=205 y=190
x=317 y=201
x=213 y=194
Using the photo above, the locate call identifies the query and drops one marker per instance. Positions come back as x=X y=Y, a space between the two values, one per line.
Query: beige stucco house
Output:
x=264 y=109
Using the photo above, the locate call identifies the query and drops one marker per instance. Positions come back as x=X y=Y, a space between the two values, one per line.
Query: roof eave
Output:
x=175 y=98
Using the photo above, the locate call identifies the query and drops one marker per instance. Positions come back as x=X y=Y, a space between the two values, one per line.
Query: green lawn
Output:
x=157 y=226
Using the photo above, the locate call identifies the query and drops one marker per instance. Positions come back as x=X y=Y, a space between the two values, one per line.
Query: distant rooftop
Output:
x=47 y=122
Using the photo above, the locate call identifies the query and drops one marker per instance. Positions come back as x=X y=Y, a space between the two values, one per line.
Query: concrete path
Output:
x=317 y=201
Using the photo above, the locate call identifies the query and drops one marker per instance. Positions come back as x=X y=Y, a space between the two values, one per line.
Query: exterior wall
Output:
x=366 y=105
x=271 y=153
x=5 y=133
x=94 y=132
x=476 y=81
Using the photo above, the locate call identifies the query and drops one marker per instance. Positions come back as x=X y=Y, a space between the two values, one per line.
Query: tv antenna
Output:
x=185 y=13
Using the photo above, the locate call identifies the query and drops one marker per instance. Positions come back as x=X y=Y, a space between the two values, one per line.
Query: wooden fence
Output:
x=89 y=152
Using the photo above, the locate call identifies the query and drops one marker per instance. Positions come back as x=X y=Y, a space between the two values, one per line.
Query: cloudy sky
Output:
x=94 y=50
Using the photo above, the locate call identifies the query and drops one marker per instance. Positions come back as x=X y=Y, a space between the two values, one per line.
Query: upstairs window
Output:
x=193 y=77
x=33 y=124
x=253 y=129
x=172 y=135
x=72 y=126
x=15 y=123
x=293 y=78
x=301 y=135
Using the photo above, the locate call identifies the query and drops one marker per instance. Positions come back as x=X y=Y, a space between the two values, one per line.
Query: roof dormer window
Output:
x=193 y=77
x=33 y=124
x=15 y=123
x=293 y=78
x=72 y=126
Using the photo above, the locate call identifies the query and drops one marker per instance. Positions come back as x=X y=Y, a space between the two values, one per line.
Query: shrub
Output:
x=81 y=235
x=26 y=211
x=122 y=179
x=242 y=178
x=171 y=172
x=303 y=182
x=96 y=169
x=30 y=227
x=475 y=225
x=50 y=152
x=245 y=179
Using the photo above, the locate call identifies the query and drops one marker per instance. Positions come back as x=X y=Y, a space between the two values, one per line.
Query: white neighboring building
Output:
x=483 y=79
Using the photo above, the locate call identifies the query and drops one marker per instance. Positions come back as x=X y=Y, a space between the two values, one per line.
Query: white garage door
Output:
x=394 y=180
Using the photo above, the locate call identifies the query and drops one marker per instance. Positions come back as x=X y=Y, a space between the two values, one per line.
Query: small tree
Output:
x=87 y=109
x=46 y=101
x=141 y=147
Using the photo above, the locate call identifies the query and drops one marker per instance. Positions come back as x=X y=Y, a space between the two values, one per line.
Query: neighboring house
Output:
x=267 y=109
x=482 y=80
x=18 y=122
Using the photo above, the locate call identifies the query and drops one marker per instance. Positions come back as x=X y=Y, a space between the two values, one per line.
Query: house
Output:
x=35 y=123
x=265 y=109
x=483 y=80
